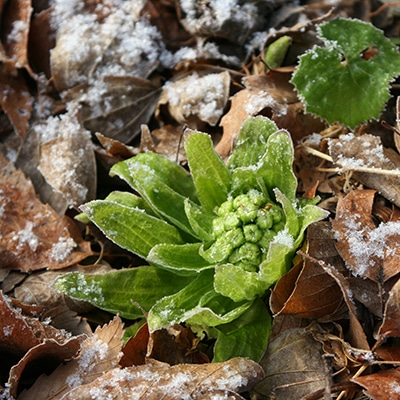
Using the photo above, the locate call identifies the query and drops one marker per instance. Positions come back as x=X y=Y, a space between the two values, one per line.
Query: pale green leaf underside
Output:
x=183 y=259
x=251 y=142
x=130 y=228
x=337 y=83
x=210 y=175
x=117 y=291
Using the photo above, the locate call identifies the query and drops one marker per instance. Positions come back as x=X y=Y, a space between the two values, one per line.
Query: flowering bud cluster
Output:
x=243 y=230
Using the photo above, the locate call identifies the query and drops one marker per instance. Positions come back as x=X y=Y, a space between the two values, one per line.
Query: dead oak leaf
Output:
x=32 y=235
x=307 y=290
x=98 y=354
x=157 y=380
x=294 y=367
x=369 y=251
x=368 y=159
x=383 y=385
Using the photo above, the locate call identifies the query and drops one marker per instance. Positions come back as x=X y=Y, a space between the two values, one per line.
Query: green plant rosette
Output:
x=215 y=239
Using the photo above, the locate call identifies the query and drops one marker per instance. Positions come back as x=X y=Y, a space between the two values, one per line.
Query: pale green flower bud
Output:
x=264 y=219
x=256 y=197
x=235 y=237
x=252 y=233
x=231 y=221
x=267 y=238
x=218 y=227
x=225 y=208
x=246 y=255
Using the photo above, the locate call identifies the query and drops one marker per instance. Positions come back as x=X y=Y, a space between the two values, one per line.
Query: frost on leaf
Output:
x=98 y=354
x=337 y=82
x=32 y=235
x=67 y=157
x=369 y=251
x=157 y=380
x=197 y=98
x=371 y=162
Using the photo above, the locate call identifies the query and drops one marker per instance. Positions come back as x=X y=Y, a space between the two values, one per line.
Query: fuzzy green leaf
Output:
x=130 y=200
x=236 y=283
x=130 y=228
x=117 y=291
x=163 y=184
x=251 y=142
x=210 y=175
x=342 y=81
x=276 y=165
x=199 y=219
x=197 y=304
x=247 y=336
x=183 y=259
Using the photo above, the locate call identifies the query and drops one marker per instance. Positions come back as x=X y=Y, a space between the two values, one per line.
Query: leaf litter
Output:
x=86 y=84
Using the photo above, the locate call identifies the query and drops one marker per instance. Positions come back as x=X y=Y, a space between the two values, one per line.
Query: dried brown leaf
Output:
x=67 y=159
x=99 y=353
x=383 y=385
x=307 y=290
x=370 y=251
x=175 y=345
x=391 y=316
x=294 y=367
x=15 y=28
x=16 y=100
x=366 y=151
x=194 y=98
x=119 y=107
x=158 y=380
x=33 y=236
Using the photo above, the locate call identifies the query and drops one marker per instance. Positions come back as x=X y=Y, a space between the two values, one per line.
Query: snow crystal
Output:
x=204 y=96
x=8 y=330
x=18 y=28
x=26 y=236
x=62 y=249
x=284 y=238
x=367 y=244
x=95 y=351
x=262 y=99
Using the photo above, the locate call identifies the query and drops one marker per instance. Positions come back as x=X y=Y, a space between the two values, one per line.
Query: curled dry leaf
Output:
x=383 y=385
x=98 y=354
x=157 y=380
x=24 y=340
x=195 y=98
x=364 y=153
x=16 y=21
x=116 y=106
x=34 y=236
x=369 y=251
x=307 y=290
x=294 y=367
x=391 y=316
x=67 y=159
x=16 y=100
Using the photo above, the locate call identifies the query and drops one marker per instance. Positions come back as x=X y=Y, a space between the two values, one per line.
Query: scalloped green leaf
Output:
x=130 y=228
x=347 y=81
x=210 y=174
x=117 y=291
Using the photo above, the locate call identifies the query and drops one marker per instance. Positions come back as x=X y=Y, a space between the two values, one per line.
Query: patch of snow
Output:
x=262 y=99
x=367 y=245
x=62 y=249
x=26 y=236
x=284 y=238
x=18 y=29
